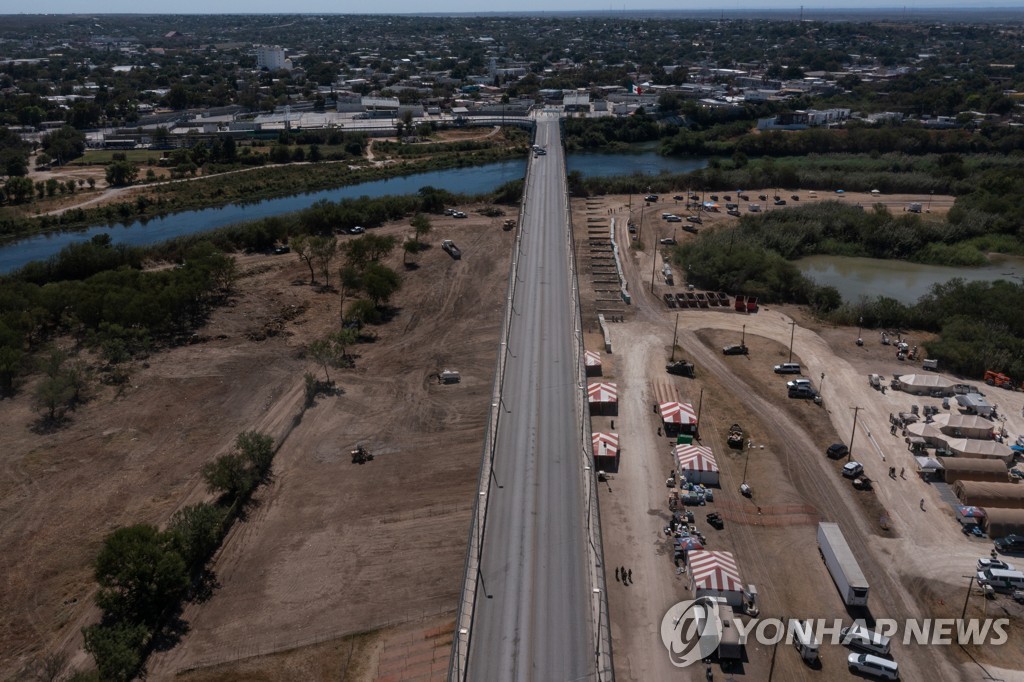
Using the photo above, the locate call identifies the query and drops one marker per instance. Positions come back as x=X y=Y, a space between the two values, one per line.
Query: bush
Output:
x=118 y=649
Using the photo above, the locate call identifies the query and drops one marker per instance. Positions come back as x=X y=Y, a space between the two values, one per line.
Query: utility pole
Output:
x=700 y=404
x=743 y=336
x=654 y=261
x=675 y=333
x=792 y=332
x=856 y=410
x=969 y=586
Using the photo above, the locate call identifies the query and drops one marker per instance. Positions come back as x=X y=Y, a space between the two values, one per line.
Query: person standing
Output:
x=616 y=574
x=631 y=576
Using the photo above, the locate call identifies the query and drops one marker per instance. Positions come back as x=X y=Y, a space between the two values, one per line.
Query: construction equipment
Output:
x=993 y=378
x=361 y=455
x=714 y=520
x=508 y=224
x=735 y=438
x=680 y=368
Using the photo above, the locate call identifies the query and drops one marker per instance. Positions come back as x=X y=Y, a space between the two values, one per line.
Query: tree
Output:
x=304 y=250
x=380 y=283
x=421 y=224
x=324 y=249
x=52 y=394
x=117 y=649
x=409 y=246
x=258 y=450
x=350 y=281
x=121 y=173
x=195 y=532
x=324 y=352
x=19 y=189
x=141 y=575
x=228 y=475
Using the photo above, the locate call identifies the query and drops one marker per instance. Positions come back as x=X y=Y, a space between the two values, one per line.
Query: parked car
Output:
x=975 y=530
x=714 y=197
x=694 y=219
x=853 y=469
x=667 y=241
x=762 y=197
x=837 y=450
x=1011 y=544
x=795 y=197
x=679 y=197
x=733 y=212
x=358 y=229
x=803 y=391
x=727 y=197
x=994 y=563
x=458 y=214
x=680 y=368
x=632 y=228
x=651 y=197
x=793 y=383
x=674 y=219
x=882 y=668
x=788 y=368
x=743 y=197
x=736 y=349
x=780 y=202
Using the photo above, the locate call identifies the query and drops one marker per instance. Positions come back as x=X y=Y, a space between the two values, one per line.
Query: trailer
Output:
x=842 y=565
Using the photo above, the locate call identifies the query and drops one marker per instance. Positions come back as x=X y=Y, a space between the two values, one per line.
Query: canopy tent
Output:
x=606 y=451
x=973 y=469
x=678 y=418
x=688 y=543
x=965 y=426
x=924 y=384
x=999 y=523
x=715 y=574
x=989 y=449
x=592 y=361
x=969 y=515
x=697 y=464
x=989 y=495
x=603 y=398
x=928 y=432
x=928 y=464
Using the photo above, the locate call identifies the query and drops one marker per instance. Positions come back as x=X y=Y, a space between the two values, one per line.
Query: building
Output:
x=271 y=58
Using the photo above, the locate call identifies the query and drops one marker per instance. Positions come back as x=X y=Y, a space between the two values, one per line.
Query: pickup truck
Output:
x=453 y=251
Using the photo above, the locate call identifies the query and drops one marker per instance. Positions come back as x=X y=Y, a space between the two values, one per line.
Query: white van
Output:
x=859 y=637
x=802 y=632
x=788 y=368
x=1001 y=579
x=881 y=668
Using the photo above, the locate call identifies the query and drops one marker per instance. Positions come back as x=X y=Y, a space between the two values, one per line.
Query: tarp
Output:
x=677 y=413
x=973 y=469
x=697 y=464
x=688 y=543
x=602 y=392
x=715 y=573
x=592 y=358
x=605 y=444
x=999 y=523
x=989 y=495
x=968 y=514
x=974 y=402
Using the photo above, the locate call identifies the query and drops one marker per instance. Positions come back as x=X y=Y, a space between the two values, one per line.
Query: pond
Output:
x=472 y=180
x=903 y=281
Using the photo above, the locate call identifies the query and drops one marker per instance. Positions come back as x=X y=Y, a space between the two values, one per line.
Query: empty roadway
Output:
x=533 y=615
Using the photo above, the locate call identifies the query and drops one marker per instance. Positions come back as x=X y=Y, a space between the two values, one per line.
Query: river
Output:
x=906 y=282
x=472 y=180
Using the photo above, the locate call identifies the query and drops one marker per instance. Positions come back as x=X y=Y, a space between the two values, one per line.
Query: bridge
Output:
x=533 y=605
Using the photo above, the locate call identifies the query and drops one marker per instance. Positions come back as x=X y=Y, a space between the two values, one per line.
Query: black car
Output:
x=714 y=197
x=1011 y=544
x=795 y=197
x=762 y=197
x=780 y=202
x=737 y=349
x=837 y=450
x=680 y=368
x=802 y=392
x=679 y=197
x=651 y=197
x=694 y=219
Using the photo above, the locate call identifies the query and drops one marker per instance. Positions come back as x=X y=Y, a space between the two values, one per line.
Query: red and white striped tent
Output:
x=606 y=451
x=715 y=574
x=697 y=464
x=603 y=398
x=592 y=361
x=678 y=418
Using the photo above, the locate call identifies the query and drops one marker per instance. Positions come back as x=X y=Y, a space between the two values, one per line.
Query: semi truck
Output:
x=842 y=565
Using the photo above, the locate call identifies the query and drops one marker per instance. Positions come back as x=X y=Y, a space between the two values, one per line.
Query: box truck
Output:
x=842 y=565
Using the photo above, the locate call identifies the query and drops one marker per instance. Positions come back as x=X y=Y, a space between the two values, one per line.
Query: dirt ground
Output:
x=917 y=562
x=329 y=548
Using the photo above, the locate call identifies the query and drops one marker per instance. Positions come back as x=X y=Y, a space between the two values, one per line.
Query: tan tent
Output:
x=999 y=523
x=973 y=469
x=988 y=495
x=965 y=426
x=925 y=384
x=988 y=449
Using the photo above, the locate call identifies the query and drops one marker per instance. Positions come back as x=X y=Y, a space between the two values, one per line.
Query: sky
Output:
x=462 y=6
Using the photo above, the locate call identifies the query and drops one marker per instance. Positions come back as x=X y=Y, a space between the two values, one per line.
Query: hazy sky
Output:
x=467 y=6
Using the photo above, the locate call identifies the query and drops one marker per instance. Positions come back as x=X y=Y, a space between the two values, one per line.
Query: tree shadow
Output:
x=205 y=585
x=46 y=425
x=412 y=266
x=169 y=634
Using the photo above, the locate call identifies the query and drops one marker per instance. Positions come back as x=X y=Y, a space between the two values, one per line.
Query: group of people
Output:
x=892 y=472
x=623 y=576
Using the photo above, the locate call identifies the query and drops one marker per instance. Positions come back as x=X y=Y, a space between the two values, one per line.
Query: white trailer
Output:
x=842 y=565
